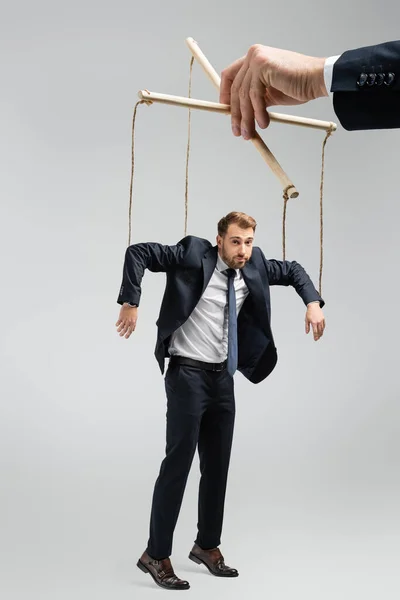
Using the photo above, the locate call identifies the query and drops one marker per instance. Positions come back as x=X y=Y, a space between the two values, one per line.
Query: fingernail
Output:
x=245 y=134
x=236 y=130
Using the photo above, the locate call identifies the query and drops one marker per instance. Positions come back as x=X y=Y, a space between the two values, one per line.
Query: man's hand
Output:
x=315 y=318
x=126 y=323
x=267 y=77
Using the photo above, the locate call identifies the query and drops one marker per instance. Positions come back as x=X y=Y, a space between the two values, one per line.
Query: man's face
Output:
x=236 y=246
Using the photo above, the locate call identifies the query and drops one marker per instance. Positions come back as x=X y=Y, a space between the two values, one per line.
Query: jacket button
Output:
x=362 y=79
x=371 y=79
x=379 y=78
x=389 y=79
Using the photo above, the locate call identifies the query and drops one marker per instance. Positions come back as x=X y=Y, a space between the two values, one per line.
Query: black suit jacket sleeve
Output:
x=293 y=274
x=152 y=256
x=359 y=105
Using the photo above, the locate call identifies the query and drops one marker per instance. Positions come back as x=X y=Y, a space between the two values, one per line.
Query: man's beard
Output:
x=233 y=262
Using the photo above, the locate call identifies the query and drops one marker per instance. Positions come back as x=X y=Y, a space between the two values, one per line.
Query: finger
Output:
x=124 y=328
x=236 y=116
x=227 y=77
x=132 y=326
x=125 y=332
x=257 y=97
x=131 y=329
x=315 y=330
x=247 y=125
x=307 y=326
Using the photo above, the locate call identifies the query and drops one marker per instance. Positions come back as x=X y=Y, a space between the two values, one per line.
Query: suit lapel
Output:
x=254 y=283
x=209 y=262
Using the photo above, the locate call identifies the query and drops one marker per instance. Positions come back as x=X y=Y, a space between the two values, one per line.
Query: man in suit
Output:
x=364 y=82
x=214 y=320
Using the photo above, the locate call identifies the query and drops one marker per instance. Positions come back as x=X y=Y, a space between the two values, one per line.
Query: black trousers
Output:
x=200 y=413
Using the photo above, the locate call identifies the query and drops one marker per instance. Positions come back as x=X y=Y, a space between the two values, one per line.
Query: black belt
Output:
x=198 y=364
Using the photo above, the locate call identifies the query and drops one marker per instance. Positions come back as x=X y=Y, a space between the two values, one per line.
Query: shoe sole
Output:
x=143 y=568
x=198 y=561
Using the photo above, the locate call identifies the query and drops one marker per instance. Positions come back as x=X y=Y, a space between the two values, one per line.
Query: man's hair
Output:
x=238 y=218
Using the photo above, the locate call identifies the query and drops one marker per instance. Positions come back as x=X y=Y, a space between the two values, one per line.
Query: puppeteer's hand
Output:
x=126 y=323
x=315 y=318
x=268 y=77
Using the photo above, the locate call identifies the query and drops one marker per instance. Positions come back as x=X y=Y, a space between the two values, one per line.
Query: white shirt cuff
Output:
x=328 y=72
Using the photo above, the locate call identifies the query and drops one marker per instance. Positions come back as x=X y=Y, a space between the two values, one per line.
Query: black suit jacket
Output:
x=189 y=266
x=372 y=102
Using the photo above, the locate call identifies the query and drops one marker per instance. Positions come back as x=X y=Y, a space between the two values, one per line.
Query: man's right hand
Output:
x=268 y=77
x=126 y=323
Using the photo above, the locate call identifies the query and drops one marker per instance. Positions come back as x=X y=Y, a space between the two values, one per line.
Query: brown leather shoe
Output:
x=162 y=572
x=213 y=560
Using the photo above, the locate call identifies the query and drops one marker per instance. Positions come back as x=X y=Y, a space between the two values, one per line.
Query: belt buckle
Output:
x=218 y=367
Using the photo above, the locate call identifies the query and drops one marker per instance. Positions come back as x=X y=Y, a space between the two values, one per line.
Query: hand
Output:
x=126 y=323
x=315 y=318
x=267 y=77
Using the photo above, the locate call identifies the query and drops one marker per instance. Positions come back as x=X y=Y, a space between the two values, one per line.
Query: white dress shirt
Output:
x=328 y=72
x=204 y=336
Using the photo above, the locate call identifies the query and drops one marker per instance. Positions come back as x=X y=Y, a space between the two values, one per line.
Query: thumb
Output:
x=307 y=326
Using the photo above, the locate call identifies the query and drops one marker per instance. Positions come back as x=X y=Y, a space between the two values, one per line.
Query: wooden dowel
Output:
x=204 y=62
x=182 y=101
x=258 y=142
x=226 y=109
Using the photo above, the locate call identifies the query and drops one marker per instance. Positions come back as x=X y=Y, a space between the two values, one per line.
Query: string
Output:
x=133 y=165
x=285 y=201
x=321 y=208
x=148 y=102
x=188 y=147
x=321 y=212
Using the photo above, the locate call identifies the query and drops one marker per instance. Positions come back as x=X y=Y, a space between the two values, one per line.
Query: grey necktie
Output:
x=232 y=323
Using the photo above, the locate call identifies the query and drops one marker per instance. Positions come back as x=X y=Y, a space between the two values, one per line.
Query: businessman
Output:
x=214 y=320
x=365 y=84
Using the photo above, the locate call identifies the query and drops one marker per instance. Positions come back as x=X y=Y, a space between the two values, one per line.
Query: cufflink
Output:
x=362 y=79
x=390 y=77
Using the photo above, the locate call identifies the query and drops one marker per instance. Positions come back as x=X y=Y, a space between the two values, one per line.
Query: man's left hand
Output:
x=315 y=318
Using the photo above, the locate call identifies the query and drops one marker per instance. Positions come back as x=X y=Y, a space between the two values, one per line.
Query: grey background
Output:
x=312 y=505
